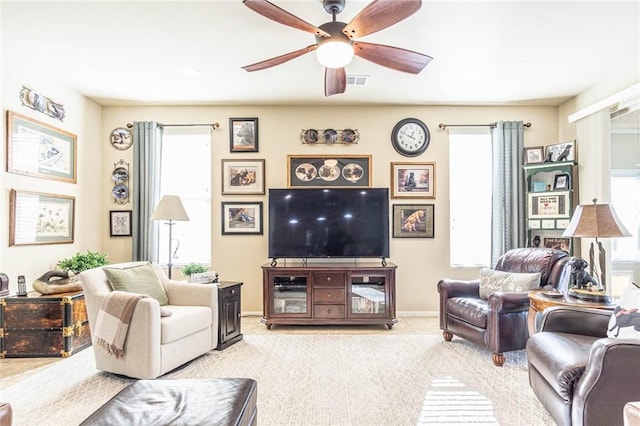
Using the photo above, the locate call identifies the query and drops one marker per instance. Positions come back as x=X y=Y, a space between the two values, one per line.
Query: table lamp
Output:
x=170 y=208
x=596 y=221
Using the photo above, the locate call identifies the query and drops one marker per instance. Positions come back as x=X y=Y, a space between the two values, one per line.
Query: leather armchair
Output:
x=156 y=345
x=499 y=323
x=579 y=375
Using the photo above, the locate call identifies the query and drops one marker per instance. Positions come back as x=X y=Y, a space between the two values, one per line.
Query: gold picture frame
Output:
x=324 y=171
x=413 y=180
x=38 y=218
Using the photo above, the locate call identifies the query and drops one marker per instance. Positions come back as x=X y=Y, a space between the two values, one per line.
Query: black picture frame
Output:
x=243 y=134
x=413 y=220
x=561 y=181
x=324 y=171
x=234 y=222
x=120 y=223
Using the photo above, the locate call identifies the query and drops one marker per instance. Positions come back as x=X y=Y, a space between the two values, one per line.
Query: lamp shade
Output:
x=170 y=208
x=595 y=221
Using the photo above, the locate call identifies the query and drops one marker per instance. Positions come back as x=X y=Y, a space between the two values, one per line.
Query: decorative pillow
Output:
x=140 y=279
x=492 y=281
x=625 y=321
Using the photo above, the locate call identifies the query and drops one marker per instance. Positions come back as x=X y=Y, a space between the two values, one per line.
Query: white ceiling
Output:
x=485 y=52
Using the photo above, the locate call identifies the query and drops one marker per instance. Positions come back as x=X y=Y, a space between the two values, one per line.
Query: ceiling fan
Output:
x=335 y=41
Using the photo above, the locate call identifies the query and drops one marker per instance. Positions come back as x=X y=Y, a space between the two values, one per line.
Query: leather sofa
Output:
x=499 y=323
x=579 y=375
x=6 y=414
x=156 y=345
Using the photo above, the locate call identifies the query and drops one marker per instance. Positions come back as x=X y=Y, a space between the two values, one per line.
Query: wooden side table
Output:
x=229 y=305
x=538 y=302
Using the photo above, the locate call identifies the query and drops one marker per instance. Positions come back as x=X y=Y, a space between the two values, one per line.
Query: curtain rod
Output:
x=213 y=125
x=444 y=126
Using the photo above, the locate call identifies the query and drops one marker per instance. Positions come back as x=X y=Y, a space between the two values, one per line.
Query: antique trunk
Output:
x=38 y=325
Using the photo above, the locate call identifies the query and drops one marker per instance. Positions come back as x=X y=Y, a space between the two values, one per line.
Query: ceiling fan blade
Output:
x=275 y=13
x=279 y=59
x=392 y=57
x=335 y=81
x=380 y=14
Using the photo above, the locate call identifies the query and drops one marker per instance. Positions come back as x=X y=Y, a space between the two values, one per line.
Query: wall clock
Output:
x=410 y=137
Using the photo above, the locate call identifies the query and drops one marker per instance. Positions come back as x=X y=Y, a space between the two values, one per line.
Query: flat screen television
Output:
x=327 y=223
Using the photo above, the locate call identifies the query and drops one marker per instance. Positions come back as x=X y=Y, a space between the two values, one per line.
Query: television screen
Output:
x=306 y=223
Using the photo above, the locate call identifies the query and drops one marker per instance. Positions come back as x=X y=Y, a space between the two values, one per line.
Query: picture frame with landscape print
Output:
x=37 y=149
x=241 y=218
x=533 y=155
x=120 y=223
x=413 y=180
x=323 y=171
x=243 y=135
x=413 y=220
x=39 y=218
x=243 y=177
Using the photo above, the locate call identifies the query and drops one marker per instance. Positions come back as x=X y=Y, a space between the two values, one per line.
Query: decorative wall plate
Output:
x=120 y=192
x=121 y=138
x=120 y=174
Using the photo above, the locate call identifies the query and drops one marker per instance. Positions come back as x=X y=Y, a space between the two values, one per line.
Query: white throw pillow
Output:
x=625 y=321
x=492 y=281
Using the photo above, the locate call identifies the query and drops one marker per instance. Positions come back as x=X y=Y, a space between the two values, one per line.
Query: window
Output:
x=625 y=198
x=186 y=172
x=470 y=182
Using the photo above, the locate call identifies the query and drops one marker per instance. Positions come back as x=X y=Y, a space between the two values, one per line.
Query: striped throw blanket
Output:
x=113 y=321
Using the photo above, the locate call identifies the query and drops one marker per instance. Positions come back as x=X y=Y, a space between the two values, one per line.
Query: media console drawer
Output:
x=328 y=278
x=328 y=295
x=328 y=311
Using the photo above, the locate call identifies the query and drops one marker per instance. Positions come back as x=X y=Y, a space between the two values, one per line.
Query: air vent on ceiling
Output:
x=357 y=80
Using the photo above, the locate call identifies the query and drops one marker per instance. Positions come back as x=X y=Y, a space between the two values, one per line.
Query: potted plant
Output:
x=83 y=261
x=193 y=268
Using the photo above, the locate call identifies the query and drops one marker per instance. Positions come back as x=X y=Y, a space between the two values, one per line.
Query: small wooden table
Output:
x=538 y=302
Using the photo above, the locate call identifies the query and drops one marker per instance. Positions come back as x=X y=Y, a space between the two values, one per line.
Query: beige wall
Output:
x=421 y=262
x=83 y=118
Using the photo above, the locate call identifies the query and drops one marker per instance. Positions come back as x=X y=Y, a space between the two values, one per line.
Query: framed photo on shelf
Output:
x=243 y=134
x=323 y=171
x=561 y=181
x=563 y=244
x=120 y=223
x=549 y=205
x=242 y=177
x=533 y=155
x=413 y=220
x=413 y=180
x=565 y=151
x=37 y=149
x=38 y=218
x=242 y=218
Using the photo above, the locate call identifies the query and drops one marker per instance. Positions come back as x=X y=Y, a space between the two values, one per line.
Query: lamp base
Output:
x=590 y=295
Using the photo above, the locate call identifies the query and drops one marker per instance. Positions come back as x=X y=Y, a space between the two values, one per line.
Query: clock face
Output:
x=410 y=137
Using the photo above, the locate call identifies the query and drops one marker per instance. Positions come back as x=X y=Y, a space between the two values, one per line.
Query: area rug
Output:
x=319 y=380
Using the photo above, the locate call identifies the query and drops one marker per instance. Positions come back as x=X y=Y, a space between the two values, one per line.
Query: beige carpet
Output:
x=319 y=379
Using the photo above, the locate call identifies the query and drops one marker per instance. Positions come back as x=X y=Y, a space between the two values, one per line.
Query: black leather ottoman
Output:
x=181 y=402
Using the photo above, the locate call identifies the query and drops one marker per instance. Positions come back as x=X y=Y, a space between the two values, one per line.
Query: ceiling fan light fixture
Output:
x=334 y=53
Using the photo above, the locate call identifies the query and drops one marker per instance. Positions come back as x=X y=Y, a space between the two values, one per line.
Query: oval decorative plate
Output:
x=120 y=192
x=120 y=174
x=121 y=138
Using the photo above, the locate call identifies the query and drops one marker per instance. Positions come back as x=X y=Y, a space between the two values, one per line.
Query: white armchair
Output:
x=156 y=345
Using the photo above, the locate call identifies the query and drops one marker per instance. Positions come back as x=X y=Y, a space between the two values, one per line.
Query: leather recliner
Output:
x=581 y=376
x=499 y=323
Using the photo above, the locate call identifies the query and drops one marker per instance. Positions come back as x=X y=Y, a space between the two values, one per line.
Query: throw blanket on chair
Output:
x=113 y=321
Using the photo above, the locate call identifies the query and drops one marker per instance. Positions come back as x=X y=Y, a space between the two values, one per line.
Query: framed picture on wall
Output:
x=120 y=223
x=243 y=134
x=413 y=180
x=413 y=220
x=322 y=171
x=241 y=218
x=242 y=177
x=38 y=218
x=37 y=149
